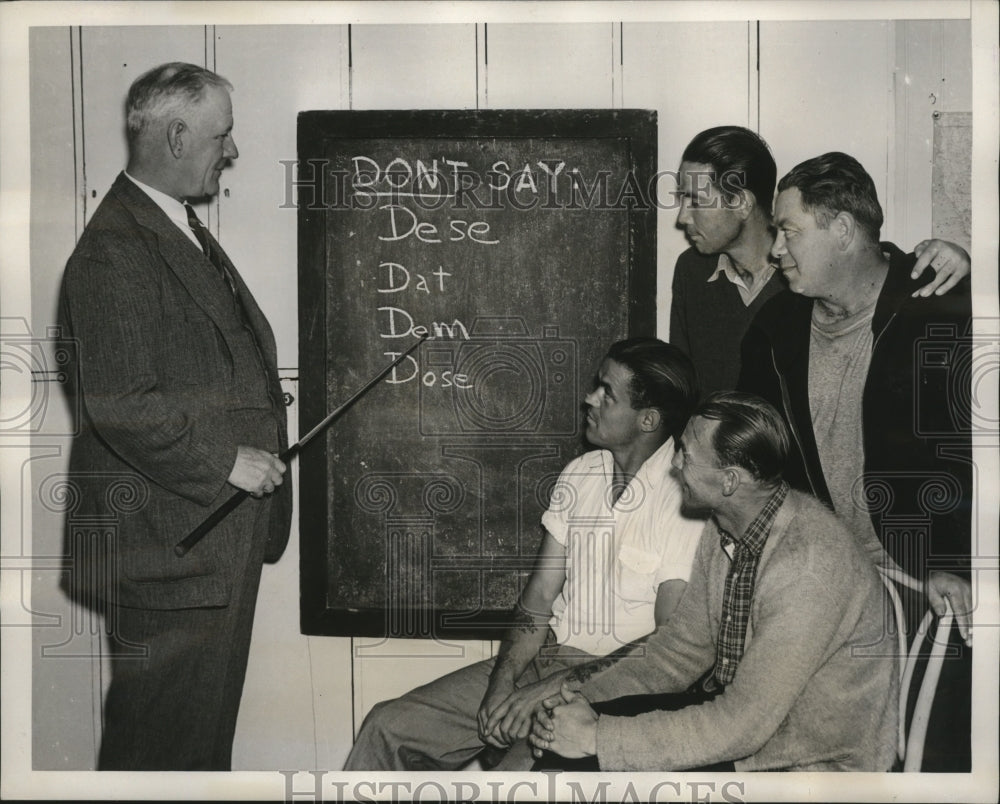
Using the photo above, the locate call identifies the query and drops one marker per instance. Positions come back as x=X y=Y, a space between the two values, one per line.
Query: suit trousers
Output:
x=434 y=727
x=175 y=707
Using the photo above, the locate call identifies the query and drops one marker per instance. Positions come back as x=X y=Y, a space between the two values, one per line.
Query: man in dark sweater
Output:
x=726 y=180
x=870 y=381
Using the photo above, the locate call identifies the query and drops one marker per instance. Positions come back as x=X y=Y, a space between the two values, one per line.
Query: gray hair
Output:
x=164 y=91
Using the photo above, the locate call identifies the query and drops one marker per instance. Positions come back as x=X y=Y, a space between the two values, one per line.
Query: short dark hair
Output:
x=751 y=434
x=166 y=89
x=834 y=183
x=740 y=159
x=663 y=377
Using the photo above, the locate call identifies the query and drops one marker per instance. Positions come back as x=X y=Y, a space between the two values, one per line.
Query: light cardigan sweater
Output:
x=812 y=691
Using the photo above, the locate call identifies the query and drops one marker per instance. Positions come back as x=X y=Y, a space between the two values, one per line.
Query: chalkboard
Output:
x=522 y=243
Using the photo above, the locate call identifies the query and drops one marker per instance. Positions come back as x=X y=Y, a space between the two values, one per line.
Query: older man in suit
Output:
x=182 y=404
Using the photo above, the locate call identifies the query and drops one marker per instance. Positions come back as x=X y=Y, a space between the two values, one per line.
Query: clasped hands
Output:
x=550 y=713
x=565 y=724
x=505 y=714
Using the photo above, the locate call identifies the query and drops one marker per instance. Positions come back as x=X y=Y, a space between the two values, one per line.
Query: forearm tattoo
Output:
x=522 y=624
x=583 y=673
x=522 y=621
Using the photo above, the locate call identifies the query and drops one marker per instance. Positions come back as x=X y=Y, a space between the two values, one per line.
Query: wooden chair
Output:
x=911 y=746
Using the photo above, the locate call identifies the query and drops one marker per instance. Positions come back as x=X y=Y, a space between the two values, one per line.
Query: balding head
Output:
x=180 y=120
x=165 y=92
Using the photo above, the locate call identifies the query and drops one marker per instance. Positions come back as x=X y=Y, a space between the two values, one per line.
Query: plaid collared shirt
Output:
x=739 y=589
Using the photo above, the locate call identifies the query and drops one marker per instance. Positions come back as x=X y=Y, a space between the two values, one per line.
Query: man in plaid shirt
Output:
x=768 y=663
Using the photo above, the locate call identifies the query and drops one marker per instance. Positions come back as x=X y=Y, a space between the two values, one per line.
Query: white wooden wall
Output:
x=864 y=87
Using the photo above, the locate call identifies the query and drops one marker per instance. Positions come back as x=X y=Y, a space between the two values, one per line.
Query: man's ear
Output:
x=730 y=481
x=175 y=137
x=744 y=203
x=650 y=420
x=845 y=228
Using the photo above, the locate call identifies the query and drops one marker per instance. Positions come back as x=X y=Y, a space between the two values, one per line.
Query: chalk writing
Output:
x=396 y=274
x=403 y=223
x=429 y=184
x=442 y=178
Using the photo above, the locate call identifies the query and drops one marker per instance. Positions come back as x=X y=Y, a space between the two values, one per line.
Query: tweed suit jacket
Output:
x=170 y=385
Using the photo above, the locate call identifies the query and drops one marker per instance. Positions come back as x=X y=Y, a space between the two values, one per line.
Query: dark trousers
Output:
x=176 y=707
x=630 y=706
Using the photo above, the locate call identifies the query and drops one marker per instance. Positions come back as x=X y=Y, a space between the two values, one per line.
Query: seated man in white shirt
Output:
x=613 y=563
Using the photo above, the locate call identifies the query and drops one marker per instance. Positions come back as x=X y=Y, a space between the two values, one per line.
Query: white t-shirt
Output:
x=617 y=554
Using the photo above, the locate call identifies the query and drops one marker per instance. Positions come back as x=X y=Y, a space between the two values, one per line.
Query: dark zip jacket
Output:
x=916 y=415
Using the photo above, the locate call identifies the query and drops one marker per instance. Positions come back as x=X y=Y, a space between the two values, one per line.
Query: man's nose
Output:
x=677 y=462
x=231 y=151
x=684 y=216
x=778 y=246
x=593 y=399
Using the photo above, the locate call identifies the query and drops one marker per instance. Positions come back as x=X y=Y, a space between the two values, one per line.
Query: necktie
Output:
x=206 y=246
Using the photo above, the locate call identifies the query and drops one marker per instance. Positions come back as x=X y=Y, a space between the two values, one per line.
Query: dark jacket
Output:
x=172 y=378
x=915 y=409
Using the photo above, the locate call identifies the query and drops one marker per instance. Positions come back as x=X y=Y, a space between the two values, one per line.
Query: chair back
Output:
x=910 y=748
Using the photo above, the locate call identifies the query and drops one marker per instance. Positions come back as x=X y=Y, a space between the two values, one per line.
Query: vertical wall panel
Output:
x=276 y=73
x=112 y=58
x=413 y=66
x=933 y=73
x=53 y=206
x=825 y=86
x=549 y=66
x=65 y=692
x=695 y=75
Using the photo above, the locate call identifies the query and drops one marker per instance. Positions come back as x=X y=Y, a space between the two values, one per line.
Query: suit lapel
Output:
x=184 y=259
x=254 y=315
x=195 y=270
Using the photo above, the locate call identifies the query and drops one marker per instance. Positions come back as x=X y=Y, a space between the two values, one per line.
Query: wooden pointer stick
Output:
x=220 y=513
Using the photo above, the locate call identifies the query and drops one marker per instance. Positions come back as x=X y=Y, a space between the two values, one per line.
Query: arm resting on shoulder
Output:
x=950 y=262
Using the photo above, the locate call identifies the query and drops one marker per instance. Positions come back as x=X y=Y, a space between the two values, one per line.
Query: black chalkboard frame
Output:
x=637 y=128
